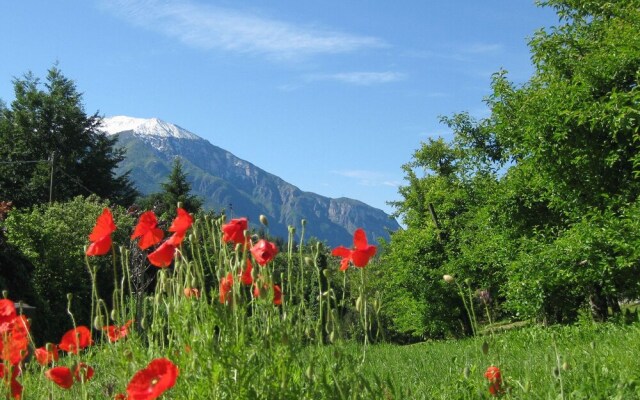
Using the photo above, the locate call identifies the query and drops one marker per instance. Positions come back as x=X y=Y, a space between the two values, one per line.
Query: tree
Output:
x=53 y=150
x=176 y=190
x=539 y=201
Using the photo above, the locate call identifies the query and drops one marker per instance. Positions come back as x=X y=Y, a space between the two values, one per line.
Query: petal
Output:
x=163 y=255
x=182 y=222
x=104 y=226
x=359 y=239
x=100 y=247
x=341 y=251
x=151 y=238
x=61 y=376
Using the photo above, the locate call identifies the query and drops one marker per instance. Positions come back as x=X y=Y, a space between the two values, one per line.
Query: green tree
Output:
x=176 y=189
x=51 y=149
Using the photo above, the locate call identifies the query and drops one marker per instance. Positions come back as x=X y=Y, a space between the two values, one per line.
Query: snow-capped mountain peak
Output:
x=146 y=127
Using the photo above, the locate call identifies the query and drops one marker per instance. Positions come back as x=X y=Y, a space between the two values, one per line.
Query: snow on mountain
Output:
x=146 y=127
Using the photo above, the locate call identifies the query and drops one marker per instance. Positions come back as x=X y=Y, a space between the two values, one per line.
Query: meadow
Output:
x=223 y=322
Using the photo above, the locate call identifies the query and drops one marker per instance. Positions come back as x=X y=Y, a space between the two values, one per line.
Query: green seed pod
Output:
x=359 y=304
x=97 y=322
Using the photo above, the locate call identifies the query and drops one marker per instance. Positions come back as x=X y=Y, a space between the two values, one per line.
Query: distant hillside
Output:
x=227 y=182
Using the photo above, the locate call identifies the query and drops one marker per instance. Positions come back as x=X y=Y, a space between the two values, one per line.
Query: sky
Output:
x=332 y=96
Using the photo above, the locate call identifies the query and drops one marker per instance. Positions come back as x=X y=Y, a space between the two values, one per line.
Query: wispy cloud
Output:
x=463 y=53
x=369 y=178
x=359 y=78
x=207 y=27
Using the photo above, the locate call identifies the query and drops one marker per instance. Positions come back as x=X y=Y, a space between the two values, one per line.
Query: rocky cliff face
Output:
x=240 y=188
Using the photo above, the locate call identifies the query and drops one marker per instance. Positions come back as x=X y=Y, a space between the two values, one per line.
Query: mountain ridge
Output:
x=226 y=182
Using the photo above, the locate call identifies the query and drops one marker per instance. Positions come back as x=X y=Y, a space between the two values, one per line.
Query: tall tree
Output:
x=51 y=149
x=176 y=189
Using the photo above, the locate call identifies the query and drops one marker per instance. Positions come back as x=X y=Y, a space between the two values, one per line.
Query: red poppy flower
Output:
x=277 y=293
x=12 y=381
x=162 y=257
x=245 y=274
x=181 y=222
x=7 y=314
x=100 y=237
x=83 y=372
x=495 y=379
x=115 y=333
x=47 y=354
x=234 y=231
x=226 y=284
x=176 y=238
x=264 y=252
x=76 y=339
x=150 y=382
x=147 y=230
x=120 y=396
x=61 y=376
x=192 y=292
x=361 y=253
x=14 y=342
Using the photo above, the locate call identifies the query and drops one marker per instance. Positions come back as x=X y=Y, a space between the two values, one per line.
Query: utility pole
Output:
x=53 y=156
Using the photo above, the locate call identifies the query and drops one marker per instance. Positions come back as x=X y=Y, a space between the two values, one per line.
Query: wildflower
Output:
x=82 y=372
x=245 y=274
x=47 y=354
x=115 y=333
x=162 y=257
x=61 y=376
x=495 y=380
x=234 y=231
x=264 y=252
x=182 y=222
x=14 y=342
x=149 y=383
x=76 y=339
x=277 y=293
x=192 y=292
x=147 y=230
x=100 y=237
x=226 y=284
x=360 y=255
x=7 y=314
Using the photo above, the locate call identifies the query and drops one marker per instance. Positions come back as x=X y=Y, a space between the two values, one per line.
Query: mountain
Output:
x=227 y=182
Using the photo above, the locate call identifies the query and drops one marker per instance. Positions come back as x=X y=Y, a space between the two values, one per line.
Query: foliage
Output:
x=45 y=129
x=52 y=238
x=536 y=202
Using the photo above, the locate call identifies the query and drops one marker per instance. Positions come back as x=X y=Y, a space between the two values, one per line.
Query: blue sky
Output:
x=332 y=96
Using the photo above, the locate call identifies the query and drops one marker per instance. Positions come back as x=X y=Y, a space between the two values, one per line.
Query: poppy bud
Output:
x=292 y=229
x=263 y=220
x=485 y=347
x=179 y=205
x=448 y=278
x=359 y=303
x=308 y=261
x=143 y=323
x=466 y=372
x=193 y=282
x=309 y=372
x=5 y=294
x=69 y=297
x=113 y=315
x=97 y=322
x=303 y=222
x=566 y=366
x=332 y=336
x=326 y=273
